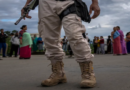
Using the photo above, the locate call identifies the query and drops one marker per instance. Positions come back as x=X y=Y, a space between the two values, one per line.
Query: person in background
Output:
x=115 y=35
x=122 y=41
x=109 y=44
x=98 y=45
x=25 y=46
x=64 y=44
x=70 y=51
x=3 y=42
x=23 y=30
x=40 y=44
x=12 y=36
x=102 y=45
x=35 y=44
x=128 y=42
x=11 y=40
x=15 y=45
x=95 y=44
x=23 y=49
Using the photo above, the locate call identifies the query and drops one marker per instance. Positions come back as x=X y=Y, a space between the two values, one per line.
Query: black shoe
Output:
x=4 y=56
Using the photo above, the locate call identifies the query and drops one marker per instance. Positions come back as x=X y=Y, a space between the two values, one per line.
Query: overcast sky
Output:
x=113 y=13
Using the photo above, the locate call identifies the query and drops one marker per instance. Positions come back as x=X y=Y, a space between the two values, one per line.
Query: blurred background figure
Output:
x=95 y=44
x=64 y=44
x=15 y=45
x=98 y=46
x=3 y=37
x=11 y=45
x=116 y=42
x=128 y=42
x=109 y=45
x=70 y=51
x=102 y=45
x=122 y=41
x=35 y=44
x=25 y=43
x=40 y=44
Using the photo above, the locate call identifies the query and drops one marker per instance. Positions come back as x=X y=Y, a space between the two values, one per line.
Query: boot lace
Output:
x=55 y=69
x=86 y=70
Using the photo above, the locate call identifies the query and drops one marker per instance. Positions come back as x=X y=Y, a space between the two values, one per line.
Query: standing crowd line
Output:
x=116 y=43
x=21 y=43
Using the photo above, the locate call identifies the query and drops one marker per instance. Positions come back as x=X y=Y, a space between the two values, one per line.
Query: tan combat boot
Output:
x=88 y=77
x=57 y=76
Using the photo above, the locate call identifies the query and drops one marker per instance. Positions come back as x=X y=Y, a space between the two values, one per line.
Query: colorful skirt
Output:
x=25 y=52
x=117 y=46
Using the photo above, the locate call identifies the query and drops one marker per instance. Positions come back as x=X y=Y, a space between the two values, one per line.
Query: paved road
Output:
x=112 y=73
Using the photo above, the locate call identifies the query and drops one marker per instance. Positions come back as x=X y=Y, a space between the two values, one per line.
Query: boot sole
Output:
x=84 y=85
x=60 y=82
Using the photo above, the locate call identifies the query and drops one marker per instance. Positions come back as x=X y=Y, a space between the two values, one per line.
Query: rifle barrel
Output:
x=16 y=23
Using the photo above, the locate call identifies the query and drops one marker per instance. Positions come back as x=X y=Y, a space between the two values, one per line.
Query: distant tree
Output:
x=14 y=31
x=7 y=32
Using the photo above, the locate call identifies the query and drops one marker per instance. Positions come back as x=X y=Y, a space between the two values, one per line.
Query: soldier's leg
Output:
x=73 y=28
x=49 y=30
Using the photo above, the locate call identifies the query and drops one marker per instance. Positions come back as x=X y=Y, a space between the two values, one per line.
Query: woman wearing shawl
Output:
x=35 y=43
x=116 y=42
x=25 y=46
x=40 y=44
x=122 y=41
x=128 y=42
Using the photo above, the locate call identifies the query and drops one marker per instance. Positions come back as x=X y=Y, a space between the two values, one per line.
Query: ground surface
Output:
x=112 y=73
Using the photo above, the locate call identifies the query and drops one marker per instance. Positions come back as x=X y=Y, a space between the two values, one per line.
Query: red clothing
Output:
x=117 y=46
x=21 y=34
x=102 y=41
x=25 y=52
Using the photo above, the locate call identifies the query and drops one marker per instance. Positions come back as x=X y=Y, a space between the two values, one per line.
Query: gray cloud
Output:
x=113 y=13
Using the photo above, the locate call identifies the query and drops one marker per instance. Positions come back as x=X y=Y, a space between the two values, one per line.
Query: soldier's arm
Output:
x=22 y=11
x=94 y=7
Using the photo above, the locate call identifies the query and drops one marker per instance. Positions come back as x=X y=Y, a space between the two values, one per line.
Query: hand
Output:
x=27 y=16
x=94 y=7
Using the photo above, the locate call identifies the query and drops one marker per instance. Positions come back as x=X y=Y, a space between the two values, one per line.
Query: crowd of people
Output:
x=37 y=44
x=21 y=44
x=116 y=43
x=67 y=47
x=119 y=43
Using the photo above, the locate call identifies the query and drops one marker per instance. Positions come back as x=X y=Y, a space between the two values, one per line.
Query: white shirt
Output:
x=11 y=40
x=15 y=41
